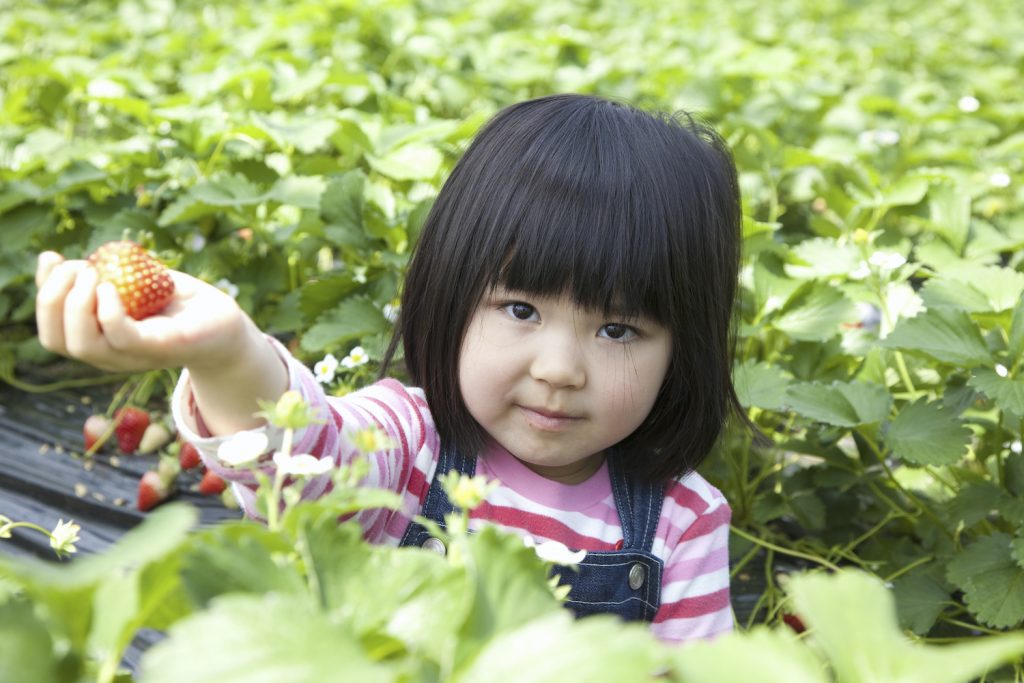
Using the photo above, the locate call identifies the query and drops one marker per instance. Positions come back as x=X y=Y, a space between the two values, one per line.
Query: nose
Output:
x=558 y=361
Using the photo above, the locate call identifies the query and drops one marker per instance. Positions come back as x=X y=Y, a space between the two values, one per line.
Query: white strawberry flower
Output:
x=999 y=179
x=324 y=369
x=968 y=104
x=64 y=536
x=243 y=448
x=887 y=260
x=303 y=465
x=553 y=551
x=227 y=286
x=390 y=312
x=355 y=358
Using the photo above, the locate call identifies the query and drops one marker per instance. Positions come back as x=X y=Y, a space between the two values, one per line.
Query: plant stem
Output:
x=785 y=551
x=913 y=565
x=62 y=384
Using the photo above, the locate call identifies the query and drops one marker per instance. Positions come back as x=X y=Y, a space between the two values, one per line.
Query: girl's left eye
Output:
x=618 y=332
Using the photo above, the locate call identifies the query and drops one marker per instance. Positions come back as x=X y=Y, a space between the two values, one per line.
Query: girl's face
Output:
x=554 y=384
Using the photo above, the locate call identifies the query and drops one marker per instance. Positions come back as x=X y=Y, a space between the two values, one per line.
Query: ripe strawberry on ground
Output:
x=153 y=489
x=143 y=283
x=794 y=622
x=94 y=429
x=211 y=484
x=131 y=425
x=188 y=456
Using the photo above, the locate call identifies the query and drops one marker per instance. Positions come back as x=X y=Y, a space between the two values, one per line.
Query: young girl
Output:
x=566 y=326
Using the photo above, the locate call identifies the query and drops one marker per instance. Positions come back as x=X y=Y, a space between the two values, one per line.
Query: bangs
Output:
x=583 y=208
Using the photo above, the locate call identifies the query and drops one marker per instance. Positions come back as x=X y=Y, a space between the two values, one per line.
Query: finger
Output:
x=50 y=301
x=47 y=261
x=82 y=334
x=119 y=330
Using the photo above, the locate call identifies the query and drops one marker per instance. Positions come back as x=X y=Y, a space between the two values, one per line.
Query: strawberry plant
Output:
x=292 y=158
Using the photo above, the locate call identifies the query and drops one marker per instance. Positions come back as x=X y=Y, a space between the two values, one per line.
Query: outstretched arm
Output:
x=231 y=363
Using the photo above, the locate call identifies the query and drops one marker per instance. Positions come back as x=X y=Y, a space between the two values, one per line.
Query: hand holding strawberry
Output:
x=122 y=311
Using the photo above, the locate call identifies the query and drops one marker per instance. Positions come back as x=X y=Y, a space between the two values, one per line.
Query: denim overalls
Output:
x=626 y=582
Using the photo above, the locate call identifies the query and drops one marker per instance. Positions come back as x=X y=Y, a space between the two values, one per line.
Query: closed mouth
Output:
x=554 y=414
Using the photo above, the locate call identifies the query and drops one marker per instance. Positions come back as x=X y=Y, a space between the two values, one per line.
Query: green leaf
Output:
x=26 y=648
x=815 y=312
x=409 y=162
x=843 y=404
x=927 y=434
x=759 y=654
x=760 y=385
x=341 y=207
x=992 y=581
x=850 y=613
x=950 y=213
x=562 y=650
x=238 y=557
x=301 y=191
x=353 y=318
x=920 y=599
x=261 y=639
x=1017 y=550
x=305 y=133
x=511 y=588
x=232 y=190
x=943 y=291
x=947 y=335
x=1007 y=392
x=821 y=257
x=1015 y=345
x=975 y=289
x=68 y=591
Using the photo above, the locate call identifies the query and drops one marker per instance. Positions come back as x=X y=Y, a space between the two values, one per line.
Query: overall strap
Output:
x=437 y=504
x=638 y=504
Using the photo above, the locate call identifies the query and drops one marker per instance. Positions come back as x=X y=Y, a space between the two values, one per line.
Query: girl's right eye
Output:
x=520 y=311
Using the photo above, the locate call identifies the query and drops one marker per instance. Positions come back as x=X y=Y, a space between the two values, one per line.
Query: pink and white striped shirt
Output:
x=691 y=539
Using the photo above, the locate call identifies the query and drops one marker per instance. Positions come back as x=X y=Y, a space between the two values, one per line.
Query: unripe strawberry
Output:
x=154 y=438
x=143 y=283
x=93 y=430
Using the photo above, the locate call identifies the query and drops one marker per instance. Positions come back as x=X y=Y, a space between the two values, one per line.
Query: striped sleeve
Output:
x=695 y=588
x=399 y=411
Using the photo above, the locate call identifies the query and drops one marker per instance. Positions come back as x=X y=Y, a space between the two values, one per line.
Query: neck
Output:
x=573 y=473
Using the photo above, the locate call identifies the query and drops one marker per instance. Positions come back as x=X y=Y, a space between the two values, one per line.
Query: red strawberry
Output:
x=794 y=622
x=152 y=491
x=143 y=283
x=188 y=456
x=211 y=484
x=131 y=425
x=93 y=430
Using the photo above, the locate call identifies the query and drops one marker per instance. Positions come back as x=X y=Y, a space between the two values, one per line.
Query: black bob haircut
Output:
x=618 y=208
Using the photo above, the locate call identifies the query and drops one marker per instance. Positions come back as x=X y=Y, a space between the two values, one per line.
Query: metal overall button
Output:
x=435 y=544
x=637 y=574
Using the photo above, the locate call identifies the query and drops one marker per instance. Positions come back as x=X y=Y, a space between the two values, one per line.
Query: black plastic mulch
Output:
x=44 y=478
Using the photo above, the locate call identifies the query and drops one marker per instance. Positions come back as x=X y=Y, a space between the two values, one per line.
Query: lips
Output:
x=548 y=420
